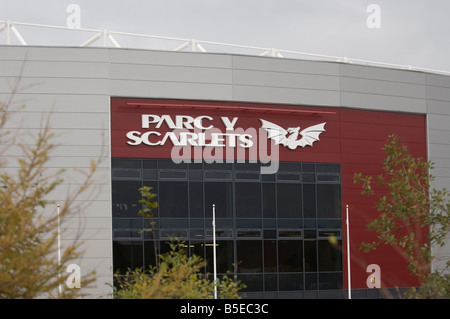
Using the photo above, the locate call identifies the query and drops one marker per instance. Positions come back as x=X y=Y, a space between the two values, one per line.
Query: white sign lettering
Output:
x=182 y=138
x=181 y=121
x=196 y=138
x=199 y=131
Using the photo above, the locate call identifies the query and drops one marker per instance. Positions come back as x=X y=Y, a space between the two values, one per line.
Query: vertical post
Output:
x=59 y=251
x=8 y=32
x=214 y=250
x=348 y=256
x=105 y=38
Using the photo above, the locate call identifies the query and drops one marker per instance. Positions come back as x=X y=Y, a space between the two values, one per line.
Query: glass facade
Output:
x=272 y=231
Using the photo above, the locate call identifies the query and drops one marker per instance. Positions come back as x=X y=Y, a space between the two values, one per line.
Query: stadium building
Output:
x=273 y=143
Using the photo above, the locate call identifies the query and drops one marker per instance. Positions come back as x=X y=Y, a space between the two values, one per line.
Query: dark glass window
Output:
x=248 y=167
x=269 y=200
x=127 y=173
x=248 y=200
x=150 y=174
x=288 y=177
x=309 y=178
x=291 y=282
x=154 y=190
x=310 y=255
x=166 y=174
x=252 y=282
x=272 y=230
x=330 y=281
x=311 y=281
x=196 y=175
x=248 y=233
x=127 y=254
x=174 y=233
x=328 y=168
x=173 y=199
x=270 y=256
x=218 y=175
x=220 y=233
x=125 y=163
x=150 y=164
x=289 y=167
x=309 y=200
x=169 y=164
x=290 y=233
x=270 y=282
x=328 y=200
x=149 y=254
x=330 y=257
x=225 y=256
x=270 y=234
x=220 y=194
x=289 y=200
x=196 y=199
x=290 y=255
x=308 y=167
x=125 y=198
x=249 y=256
x=327 y=178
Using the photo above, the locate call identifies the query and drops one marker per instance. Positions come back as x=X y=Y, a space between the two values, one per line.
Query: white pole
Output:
x=18 y=36
x=214 y=251
x=348 y=257
x=92 y=40
x=59 y=250
x=8 y=32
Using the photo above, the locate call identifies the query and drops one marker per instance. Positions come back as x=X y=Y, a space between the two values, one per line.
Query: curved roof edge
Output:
x=108 y=38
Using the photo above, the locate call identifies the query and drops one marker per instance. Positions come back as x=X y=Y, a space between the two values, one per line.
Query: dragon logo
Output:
x=281 y=136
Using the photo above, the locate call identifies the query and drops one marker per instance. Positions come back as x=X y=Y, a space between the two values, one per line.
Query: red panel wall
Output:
x=363 y=135
x=126 y=116
x=353 y=138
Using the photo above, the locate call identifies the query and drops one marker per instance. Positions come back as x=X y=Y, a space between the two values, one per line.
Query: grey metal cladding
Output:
x=46 y=53
x=438 y=119
x=383 y=89
x=377 y=73
x=438 y=107
x=171 y=58
x=159 y=74
x=262 y=79
x=242 y=62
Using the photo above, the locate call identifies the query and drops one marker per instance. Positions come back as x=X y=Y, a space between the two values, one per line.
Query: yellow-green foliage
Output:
x=177 y=277
x=29 y=265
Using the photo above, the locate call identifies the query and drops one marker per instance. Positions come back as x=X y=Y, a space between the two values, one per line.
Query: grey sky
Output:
x=413 y=32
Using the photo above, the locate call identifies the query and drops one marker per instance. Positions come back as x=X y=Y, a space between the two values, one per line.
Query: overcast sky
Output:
x=410 y=32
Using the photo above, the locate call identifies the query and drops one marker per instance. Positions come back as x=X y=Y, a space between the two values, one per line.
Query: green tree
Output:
x=176 y=275
x=29 y=263
x=148 y=205
x=413 y=217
